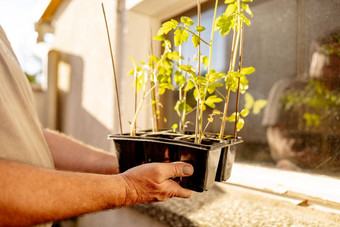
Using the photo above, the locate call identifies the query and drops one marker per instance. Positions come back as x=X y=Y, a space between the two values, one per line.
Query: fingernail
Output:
x=188 y=170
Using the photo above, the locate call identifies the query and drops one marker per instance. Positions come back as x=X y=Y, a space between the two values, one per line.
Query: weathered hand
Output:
x=151 y=182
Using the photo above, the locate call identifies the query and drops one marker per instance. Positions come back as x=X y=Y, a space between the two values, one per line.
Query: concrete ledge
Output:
x=228 y=205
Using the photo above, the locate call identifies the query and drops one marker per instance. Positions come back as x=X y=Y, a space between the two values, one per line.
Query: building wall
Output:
x=87 y=106
x=86 y=98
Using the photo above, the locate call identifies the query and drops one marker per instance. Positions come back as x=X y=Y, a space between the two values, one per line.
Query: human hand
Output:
x=151 y=182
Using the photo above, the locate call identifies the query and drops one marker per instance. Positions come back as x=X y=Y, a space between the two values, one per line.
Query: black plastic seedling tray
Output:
x=212 y=159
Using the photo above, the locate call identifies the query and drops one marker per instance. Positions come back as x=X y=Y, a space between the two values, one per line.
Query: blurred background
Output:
x=18 y=18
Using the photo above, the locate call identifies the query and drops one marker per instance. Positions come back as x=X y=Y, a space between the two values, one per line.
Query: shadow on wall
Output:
x=70 y=116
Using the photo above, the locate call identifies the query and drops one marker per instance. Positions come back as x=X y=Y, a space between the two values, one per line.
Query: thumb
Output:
x=178 y=191
x=177 y=169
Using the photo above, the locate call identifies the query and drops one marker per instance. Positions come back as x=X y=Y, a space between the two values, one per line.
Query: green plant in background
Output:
x=252 y=104
x=318 y=103
x=333 y=47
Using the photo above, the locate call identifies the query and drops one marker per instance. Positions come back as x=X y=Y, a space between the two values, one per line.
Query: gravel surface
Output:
x=233 y=206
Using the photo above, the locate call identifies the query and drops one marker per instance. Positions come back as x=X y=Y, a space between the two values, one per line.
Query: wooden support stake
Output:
x=114 y=71
x=238 y=85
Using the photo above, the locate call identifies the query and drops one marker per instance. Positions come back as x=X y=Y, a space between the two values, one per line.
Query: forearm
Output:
x=72 y=155
x=31 y=195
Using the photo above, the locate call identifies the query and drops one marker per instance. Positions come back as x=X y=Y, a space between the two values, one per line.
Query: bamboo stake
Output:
x=184 y=113
x=231 y=68
x=209 y=68
x=212 y=36
x=198 y=120
x=238 y=85
x=135 y=78
x=114 y=71
x=133 y=130
x=155 y=126
x=180 y=94
x=225 y=110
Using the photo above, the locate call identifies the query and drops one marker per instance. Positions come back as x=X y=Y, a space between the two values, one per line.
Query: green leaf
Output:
x=190 y=85
x=159 y=38
x=244 y=112
x=205 y=61
x=173 y=55
x=231 y=9
x=312 y=119
x=161 y=78
x=196 y=94
x=201 y=80
x=248 y=70
x=240 y=124
x=234 y=74
x=231 y=83
x=211 y=100
x=167 y=45
x=167 y=26
x=195 y=40
x=187 y=69
x=224 y=24
x=179 y=78
x=232 y=117
x=245 y=20
x=153 y=59
x=213 y=77
x=187 y=21
x=258 y=105
x=161 y=91
x=131 y=72
x=188 y=108
x=216 y=112
x=246 y=8
x=243 y=84
x=200 y=28
x=249 y=101
x=133 y=61
x=174 y=127
x=212 y=87
x=179 y=107
x=229 y=1
x=140 y=83
x=219 y=84
x=180 y=36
